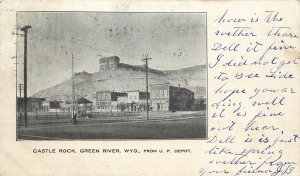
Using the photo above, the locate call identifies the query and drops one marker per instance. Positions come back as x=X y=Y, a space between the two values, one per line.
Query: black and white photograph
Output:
x=111 y=75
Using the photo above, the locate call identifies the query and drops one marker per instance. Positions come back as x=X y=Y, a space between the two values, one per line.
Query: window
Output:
x=166 y=93
x=135 y=98
x=156 y=93
x=161 y=93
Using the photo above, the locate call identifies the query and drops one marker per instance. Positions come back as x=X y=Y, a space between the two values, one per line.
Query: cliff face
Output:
x=128 y=77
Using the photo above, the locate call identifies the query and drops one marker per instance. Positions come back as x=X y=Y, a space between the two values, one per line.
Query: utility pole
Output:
x=73 y=92
x=20 y=96
x=19 y=100
x=146 y=59
x=25 y=29
x=20 y=90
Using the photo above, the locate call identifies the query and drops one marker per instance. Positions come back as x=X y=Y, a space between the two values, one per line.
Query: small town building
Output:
x=137 y=100
x=108 y=100
x=123 y=103
x=84 y=106
x=200 y=104
x=63 y=103
x=57 y=103
x=165 y=97
x=33 y=104
x=62 y=98
x=50 y=106
x=65 y=106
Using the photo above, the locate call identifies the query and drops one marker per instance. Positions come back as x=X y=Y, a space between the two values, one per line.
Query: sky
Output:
x=173 y=41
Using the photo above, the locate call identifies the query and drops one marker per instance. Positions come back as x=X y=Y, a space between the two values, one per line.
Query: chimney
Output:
x=178 y=85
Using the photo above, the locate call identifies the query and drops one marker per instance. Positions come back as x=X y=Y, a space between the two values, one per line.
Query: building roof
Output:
x=83 y=101
x=181 y=89
x=116 y=94
x=172 y=87
x=31 y=99
x=134 y=91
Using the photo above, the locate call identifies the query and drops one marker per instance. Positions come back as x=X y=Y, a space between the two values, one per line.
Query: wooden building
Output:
x=164 y=97
x=108 y=100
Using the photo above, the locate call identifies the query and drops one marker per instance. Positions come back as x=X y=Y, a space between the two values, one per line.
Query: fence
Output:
x=115 y=114
x=43 y=117
x=49 y=115
x=67 y=115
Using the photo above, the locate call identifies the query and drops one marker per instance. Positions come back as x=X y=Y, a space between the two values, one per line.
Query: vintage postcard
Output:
x=140 y=88
x=111 y=75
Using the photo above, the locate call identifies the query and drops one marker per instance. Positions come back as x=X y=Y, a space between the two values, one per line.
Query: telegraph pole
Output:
x=146 y=59
x=20 y=90
x=25 y=29
x=19 y=100
x=73 y=92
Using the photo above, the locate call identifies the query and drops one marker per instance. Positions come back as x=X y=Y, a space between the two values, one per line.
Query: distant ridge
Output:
x=128 y=77
x=140 y=68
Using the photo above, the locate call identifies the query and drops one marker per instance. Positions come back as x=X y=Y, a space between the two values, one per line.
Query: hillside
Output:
x=128 y=77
